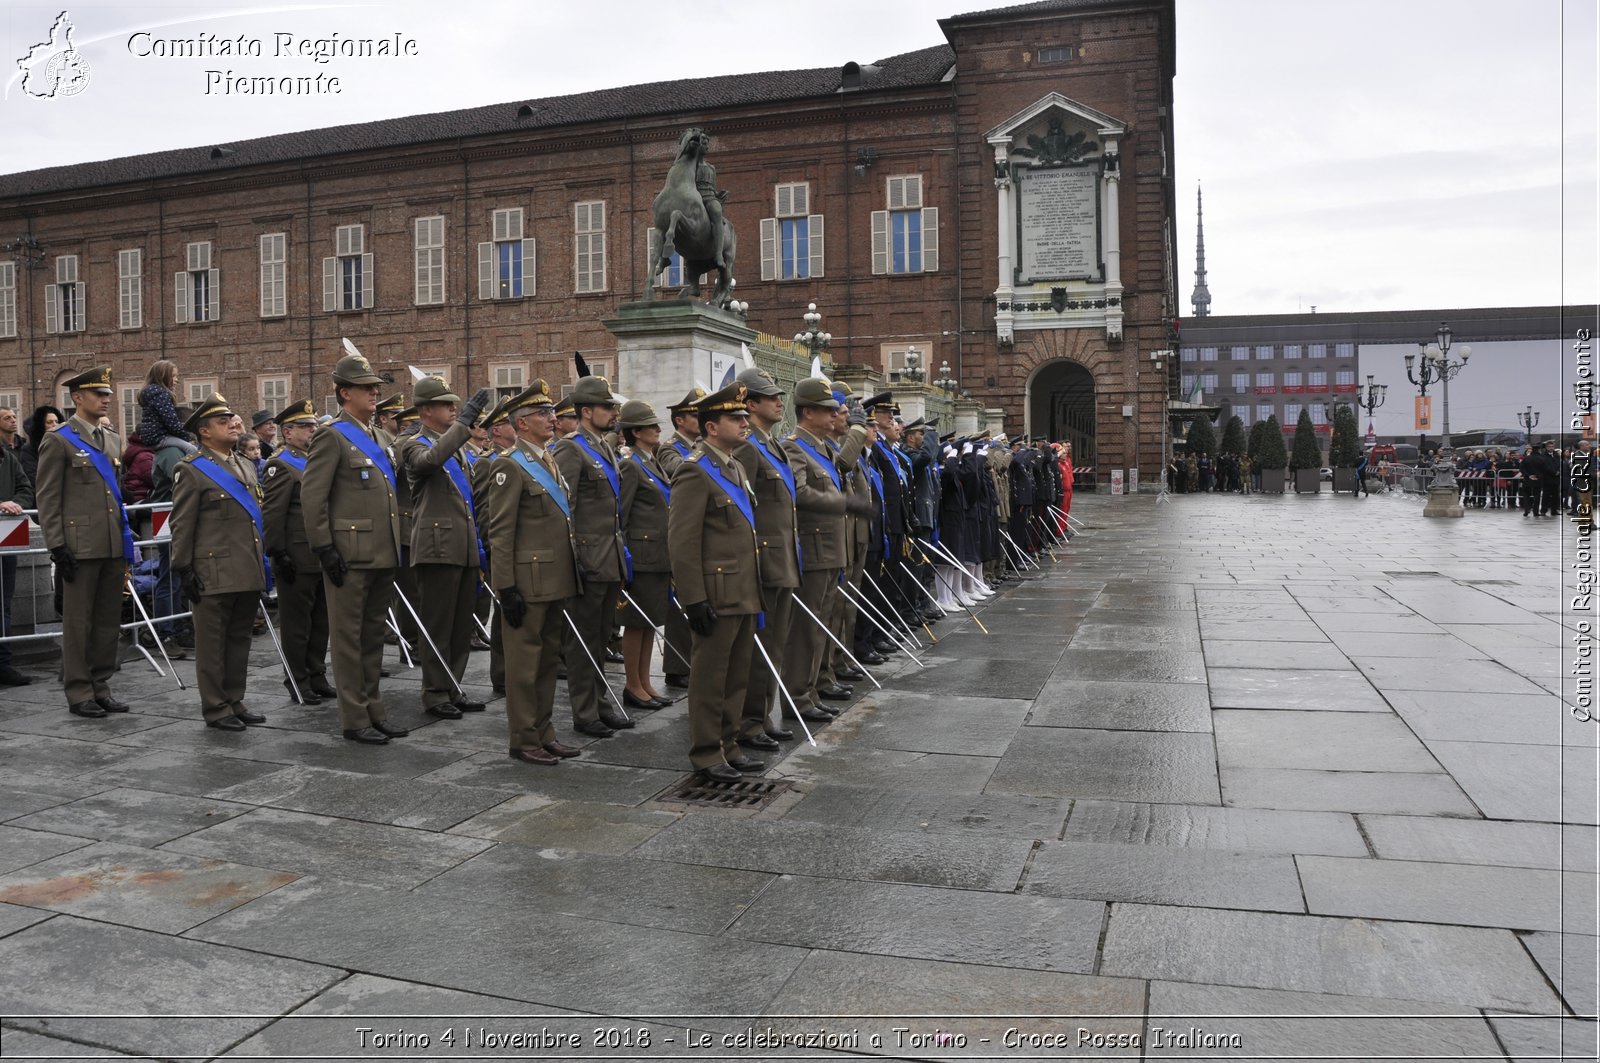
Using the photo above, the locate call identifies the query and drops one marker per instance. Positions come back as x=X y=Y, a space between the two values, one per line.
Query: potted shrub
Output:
x=1201 y=437
x=1344 y=450
x=1305 y=460
x=1233 y=441
x=1271 y=456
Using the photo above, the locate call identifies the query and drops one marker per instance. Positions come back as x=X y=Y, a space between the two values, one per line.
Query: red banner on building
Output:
x=1351 y=388
x=1267 y=390
x=1293 y=389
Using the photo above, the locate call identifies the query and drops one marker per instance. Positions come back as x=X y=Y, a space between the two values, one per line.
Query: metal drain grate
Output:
x=746 y=793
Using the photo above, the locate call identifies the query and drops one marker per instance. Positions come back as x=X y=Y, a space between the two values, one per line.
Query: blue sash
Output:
x=888 y=457
x=295 y=463
x=825 y=462
x=542 y=477
x=778 y=462
x=666 y=492
x=102 y=465
x=677 y=444
x=605 y=464
x=735 y=492
x=368 y=446
x=230 y=483
x=458 y=475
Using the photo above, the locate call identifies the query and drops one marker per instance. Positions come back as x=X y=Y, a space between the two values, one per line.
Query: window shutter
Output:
x=913 y=192
x=930 y=239
x=180 y=289
x=330 y=284
x=486 y=285
x=880 y=241
x=814 y=224
x=80 y=306
x=897 y=193
x=802 y=199
x=769 y=248
x=52 y=312
x=65 y=264
x=530 y=284
x=214 y=293
x=366 y=281
x=785 y=204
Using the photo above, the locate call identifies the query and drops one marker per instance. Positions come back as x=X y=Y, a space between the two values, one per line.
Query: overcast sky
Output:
x=1375 y=154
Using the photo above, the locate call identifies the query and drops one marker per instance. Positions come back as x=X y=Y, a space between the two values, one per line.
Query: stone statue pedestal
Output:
x=1443 y=501
x=665 y=347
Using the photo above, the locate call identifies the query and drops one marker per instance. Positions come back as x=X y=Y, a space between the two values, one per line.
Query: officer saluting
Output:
x=80 y=511
x=533 y=564
x=711 y=525
x=302 y=601
x=217 y=560
x=352 y=516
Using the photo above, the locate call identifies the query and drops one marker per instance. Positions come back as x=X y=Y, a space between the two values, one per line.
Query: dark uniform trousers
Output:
x=356 y=614
x=91 y=611
x=778 y=605
x=677 y=632
x=497 y=650
x=222 y=626
x=720 y=663
x=593 y=612
x=843 y=620
x=803 y=656
x=447 y=595
x=405 y=583
x=303 y=624
x=531 y=690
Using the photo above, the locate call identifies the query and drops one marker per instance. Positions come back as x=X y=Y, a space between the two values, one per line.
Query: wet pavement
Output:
x=1233 y=777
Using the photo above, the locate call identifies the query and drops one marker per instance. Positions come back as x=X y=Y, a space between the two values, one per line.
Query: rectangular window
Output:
x=130 y=409
x=1208 y=354
x=130 y=288
x=429 y=251
x=509 y=379
x=1241 y=381
x=1264 y=353
x=1344 y=350
x=1188 y=385
x=589 y=246
x=200 y=390
x=1291 y=350
x=10 y=400
x=505 y=264
x=1291 y=380
x=1240 y=353
x=440 y=371
x=8 y=299
x=1265 y=380
x=197 y=290
x=1316 y=350
x=1208 y=381
x=1188 y=354
x=905 y=238
x=1291 y=414
x=1057 y=53
x=1345 y=378
x=347 y=275
x=274 y=393
x=1319 y=413
x=791 y=240
x=274 y=259
x=1263 y=412
x=1317 y=380
x=65 y=301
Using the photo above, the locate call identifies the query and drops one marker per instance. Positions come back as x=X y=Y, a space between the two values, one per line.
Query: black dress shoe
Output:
x=319 y=686
x=747 y=765
x=781 y=734
x=594 y=730
x=836 y=693
x=647 y=704
x=535 y=756
x=370 y=736
x=721 y=773
x=111 y=704
x=384 y=727
x=851 y=673
x=678 y=682
x=307 y=695
x=90 y=709
x=613 y=657
x=10 y=677
x=500 y=689
x=869 y=657
x=885 y=646
x=468 y=705
x=615 y=720
x=228 y=723
x=811 y=714
x=444 y=711
x=662 y=701
x=247 y=715
x=760 y=741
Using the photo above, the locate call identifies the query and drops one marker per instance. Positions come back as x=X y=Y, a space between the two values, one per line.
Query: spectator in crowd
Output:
x=266 y=433
x=45 y=419
x=16 y=495
x=158 y=417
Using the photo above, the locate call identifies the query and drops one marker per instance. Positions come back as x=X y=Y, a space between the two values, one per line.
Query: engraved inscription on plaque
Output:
x=1059 y=224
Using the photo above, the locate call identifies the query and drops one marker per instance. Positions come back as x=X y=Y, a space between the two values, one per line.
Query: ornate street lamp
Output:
x=1529 y=420
x=1445 y=370
x=946 y=378
x=913 y=371
x=813 y=339
x=1443 y=496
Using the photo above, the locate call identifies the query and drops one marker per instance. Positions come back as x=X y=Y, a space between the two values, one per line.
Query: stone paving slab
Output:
x=1569 y=961
x=1403 y=644
x=983 y=678
x=1276 y=628
x=1307 y=689
x=932 y=812
x=584 y=826
x=375 y=799
x=930 y=723
x=1467 y=841
x=1551 y=783
x=583 y=779
x=1311 y=954
x=1134 y=665
x=1297 y=656
x=1401 y=793
x=21 y=848
x=1450 y=603
x=887 y=769
x=174 y=772
x=1097 y=636
x=16 y=803
x=1377 y=623
x=1125 y=765
x=56 y=723
x=1273 y=1024
x=1326 y=741
x=55 y=757
x=1528 y=1039
x=133 y=817
x=21 y=1044
x=14 y=917
x=1516 y=719
x=1204 y=878
x=1434 y=674
x=1116 y=706
x=79 y=968
x=405 y=758
x=1034 y=932
x=1210 y=827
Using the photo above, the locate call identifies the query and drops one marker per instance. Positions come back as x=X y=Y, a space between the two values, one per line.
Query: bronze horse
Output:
x=684 y=226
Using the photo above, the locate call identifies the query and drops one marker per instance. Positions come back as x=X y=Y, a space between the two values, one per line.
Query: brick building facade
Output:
x=489 y=244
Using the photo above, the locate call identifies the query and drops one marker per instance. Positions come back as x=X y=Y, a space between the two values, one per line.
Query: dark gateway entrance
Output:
x=1061 y=406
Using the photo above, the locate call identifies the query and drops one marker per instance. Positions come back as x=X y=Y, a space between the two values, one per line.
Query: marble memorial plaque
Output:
x=1059 y=212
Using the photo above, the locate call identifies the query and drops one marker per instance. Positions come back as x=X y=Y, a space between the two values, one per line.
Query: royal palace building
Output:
x=1001 y=203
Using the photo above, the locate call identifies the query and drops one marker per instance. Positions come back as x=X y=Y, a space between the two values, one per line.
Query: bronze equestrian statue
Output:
x=689 y=221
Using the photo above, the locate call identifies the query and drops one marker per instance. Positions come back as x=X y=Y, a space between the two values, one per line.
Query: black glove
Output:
x=473 y=408
x=191 y=583
x=333 y=564
x=702 y=618
x=283 y=567
x=856 y=416
x=513 y=607
x=66 y=564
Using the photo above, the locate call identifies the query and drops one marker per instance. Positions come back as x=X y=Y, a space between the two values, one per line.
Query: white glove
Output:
x=949 y=452
x=983 y=452
x=966 y=448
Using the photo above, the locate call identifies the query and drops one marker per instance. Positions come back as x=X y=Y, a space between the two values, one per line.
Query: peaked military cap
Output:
x=564 y=408
x=688 y=402
x=355 y=370
x=815 y=391
x=392 y=405
x=883 y=400
x=638 y=414
x=297 y=411
x=918 y=425
x=593 y=391
x=535 y=394
x=498 y=414
x=407 y=414
x=215 y=406
x=432 y=389
x=758 y=383
x=96 y=379
x=729 y=400
x=260 y=417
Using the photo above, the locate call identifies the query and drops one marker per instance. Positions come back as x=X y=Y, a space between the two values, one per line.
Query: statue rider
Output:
x=705 y=182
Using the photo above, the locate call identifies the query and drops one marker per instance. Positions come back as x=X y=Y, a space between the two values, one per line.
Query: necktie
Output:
x=100 y=439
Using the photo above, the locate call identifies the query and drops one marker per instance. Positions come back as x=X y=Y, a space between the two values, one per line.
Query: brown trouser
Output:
x=357 y=613
x=802 y=658
x=842 y=622
x=448 y=594
x=778 y=605
x=222 y=626
x=303 y=624
x=677 y=641
x=534 y=650
x=91 y=626
x=594 y=613
x=719 y=671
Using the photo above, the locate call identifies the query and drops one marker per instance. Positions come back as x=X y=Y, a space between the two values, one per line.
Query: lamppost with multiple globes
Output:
x=813 y=338
x=946 y=378
x=913 y=371
x=1437 y=365
x=1369 y=397
x=1529 y=420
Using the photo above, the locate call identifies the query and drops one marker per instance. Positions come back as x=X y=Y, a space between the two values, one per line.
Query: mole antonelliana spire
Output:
x=1202 y=295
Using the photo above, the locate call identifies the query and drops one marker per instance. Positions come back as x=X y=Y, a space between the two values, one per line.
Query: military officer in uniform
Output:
x=387 y=414
x=533 y=565
x=772 y=482
x=352 y=515
x=80 y=512
x=716 y=569
x=217 y=560
x=589 y=466
x=400 y=424
x=502 y=437
x=302 y=601
x=444 y=539
x=645 y=496
x=566 y=419
x=685 y=436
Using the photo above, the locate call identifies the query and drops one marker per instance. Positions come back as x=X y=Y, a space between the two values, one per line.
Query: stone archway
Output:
x=1061 y=405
